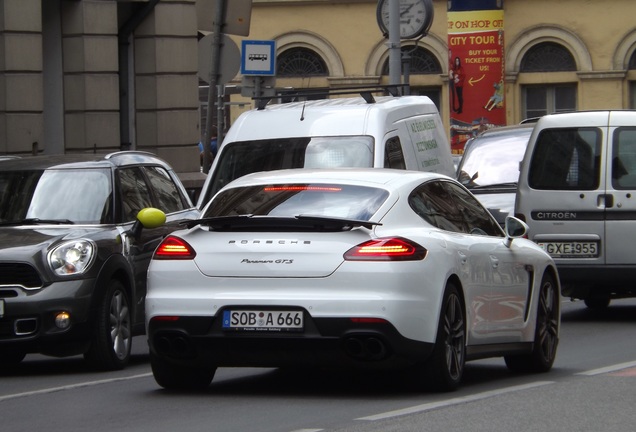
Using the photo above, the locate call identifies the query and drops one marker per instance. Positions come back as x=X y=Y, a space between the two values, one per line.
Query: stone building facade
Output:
x=570 y=54
x=87 y=75
x=99 y=75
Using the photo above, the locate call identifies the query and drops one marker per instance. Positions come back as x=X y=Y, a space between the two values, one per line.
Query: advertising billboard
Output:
x=476 y=71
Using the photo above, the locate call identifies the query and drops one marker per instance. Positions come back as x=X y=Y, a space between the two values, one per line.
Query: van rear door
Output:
x=566 y=200
x=621 y=187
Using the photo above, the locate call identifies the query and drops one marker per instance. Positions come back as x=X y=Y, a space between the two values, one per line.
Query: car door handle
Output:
x=606 y=200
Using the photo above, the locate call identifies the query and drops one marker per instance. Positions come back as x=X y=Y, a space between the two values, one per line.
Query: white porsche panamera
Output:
x=355 y=268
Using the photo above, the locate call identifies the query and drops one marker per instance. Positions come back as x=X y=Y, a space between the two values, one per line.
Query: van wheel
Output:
x=597 y=301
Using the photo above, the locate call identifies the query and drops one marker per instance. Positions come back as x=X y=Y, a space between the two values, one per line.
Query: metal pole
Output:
x=219 y=18
x=395 y=54
x=406 y=62
x=220 y=116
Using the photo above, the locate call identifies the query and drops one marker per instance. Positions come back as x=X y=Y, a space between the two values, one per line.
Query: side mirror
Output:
x=148 y=218
x=514 y=228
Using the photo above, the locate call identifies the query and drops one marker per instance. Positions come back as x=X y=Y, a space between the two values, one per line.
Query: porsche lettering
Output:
x=270 y=261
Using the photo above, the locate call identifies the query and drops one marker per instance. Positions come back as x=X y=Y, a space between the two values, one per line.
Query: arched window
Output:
x=300 y=62
x=547 y=57
x=422 y=61
x=632 y=61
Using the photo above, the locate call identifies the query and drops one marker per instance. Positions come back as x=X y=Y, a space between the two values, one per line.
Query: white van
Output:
x=577 y=193
x=403 y=132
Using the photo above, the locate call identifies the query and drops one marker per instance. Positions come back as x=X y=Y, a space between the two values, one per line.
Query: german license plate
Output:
x=571 y=249
x=1 y=308
x=263 y=320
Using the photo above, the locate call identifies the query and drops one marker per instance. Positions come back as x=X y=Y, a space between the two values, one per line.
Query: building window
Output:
x=545 y=99
x=547 y=57
x=300 y=62
x=422 y=61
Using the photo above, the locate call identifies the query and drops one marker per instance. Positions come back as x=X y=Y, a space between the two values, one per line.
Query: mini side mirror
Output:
x=148 y=218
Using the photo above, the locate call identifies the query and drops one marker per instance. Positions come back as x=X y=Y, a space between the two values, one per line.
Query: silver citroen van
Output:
x=577 y=193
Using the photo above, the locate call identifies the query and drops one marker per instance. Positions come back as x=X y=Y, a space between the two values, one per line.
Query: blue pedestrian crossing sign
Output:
x=258 y=57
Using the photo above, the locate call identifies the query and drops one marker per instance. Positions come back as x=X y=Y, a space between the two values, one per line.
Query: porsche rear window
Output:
x=282 y=200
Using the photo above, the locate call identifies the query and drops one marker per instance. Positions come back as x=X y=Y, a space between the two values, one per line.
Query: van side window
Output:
x=566 y=159
x=393 y=156
x=624 y=158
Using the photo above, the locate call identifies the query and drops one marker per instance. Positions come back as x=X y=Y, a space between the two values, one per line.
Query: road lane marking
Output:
x=607 y=369
x=454 y=401
x=631 y=372
x=72 y=386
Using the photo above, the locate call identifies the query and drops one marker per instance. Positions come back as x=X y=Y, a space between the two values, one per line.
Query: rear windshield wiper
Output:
x=38 y=221
x=302 y=222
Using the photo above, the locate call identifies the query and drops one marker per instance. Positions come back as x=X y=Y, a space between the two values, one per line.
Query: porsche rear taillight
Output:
x=386 y=249
x=174 y=248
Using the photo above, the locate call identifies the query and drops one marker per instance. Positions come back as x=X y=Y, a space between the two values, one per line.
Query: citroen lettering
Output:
x=555 y=215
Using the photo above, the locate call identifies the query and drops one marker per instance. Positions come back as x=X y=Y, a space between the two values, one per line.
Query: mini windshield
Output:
x=290 y=200
x=67 y=196
x=245 y=157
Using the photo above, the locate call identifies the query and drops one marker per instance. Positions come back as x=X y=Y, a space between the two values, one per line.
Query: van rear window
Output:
x=566 y=159
x=624 y=158
x=245 y=157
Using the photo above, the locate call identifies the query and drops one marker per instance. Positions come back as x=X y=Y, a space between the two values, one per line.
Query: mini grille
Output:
x=19 y=274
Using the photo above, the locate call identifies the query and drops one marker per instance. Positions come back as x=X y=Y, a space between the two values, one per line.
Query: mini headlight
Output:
x=72 y=258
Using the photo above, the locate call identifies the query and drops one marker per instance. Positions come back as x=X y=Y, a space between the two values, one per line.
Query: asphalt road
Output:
x=592 y=387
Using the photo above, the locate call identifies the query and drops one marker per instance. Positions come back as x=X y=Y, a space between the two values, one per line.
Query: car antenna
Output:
x=302 y=113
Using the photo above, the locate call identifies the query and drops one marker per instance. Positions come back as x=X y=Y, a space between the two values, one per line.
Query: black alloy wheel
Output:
x=445 y=368
x=546 y=337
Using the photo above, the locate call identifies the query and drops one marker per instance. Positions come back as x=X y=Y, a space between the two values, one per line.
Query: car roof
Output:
x=360 y=176
x=81 y=160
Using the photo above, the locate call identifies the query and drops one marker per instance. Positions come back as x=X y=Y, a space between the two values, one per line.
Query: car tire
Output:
x=176 y=377
x=546 y=335
x=11 y=358
x=597 y=301
x=445 y=367
x=112 y=330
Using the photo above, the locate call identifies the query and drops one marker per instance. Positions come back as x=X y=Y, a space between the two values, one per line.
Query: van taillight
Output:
x=174 y=248
x=386 y=249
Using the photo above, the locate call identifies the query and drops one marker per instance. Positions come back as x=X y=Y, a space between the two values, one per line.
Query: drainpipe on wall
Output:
x=123 y=36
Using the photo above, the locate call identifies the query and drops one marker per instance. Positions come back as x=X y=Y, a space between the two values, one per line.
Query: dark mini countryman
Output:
x=76 y=236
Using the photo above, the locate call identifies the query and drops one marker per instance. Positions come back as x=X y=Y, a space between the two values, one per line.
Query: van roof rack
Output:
x=365 y=91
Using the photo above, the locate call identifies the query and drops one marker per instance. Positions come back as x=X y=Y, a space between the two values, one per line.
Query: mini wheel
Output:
x=112 y=332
